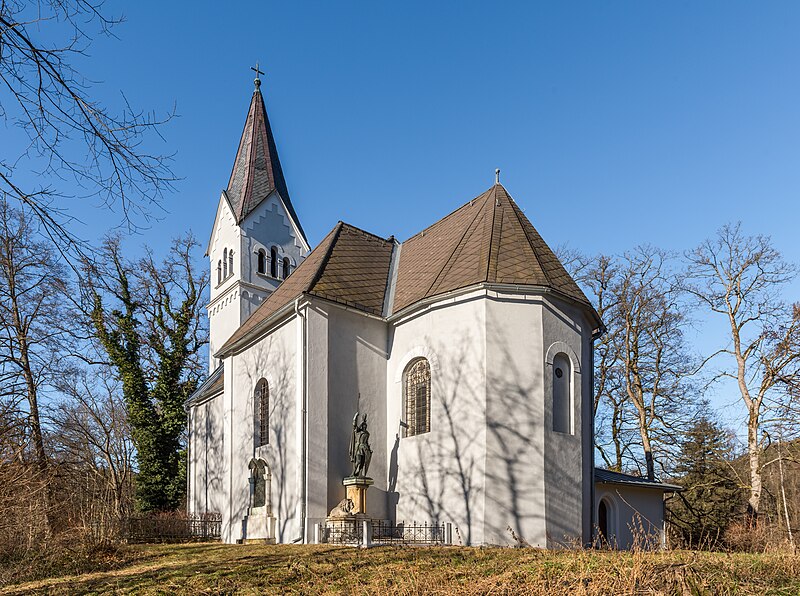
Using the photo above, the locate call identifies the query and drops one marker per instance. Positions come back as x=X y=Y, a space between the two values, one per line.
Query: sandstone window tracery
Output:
x=417 y=397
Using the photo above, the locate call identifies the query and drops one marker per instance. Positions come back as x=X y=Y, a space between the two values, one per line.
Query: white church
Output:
x=468 y=346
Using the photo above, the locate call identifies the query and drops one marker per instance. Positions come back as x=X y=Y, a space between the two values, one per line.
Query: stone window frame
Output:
x=554 y=350
x=261 y=412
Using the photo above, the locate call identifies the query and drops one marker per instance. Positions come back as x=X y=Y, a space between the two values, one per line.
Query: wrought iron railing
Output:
x=351 y=532
x=172 y=528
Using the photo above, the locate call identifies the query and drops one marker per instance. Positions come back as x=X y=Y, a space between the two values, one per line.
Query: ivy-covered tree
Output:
x=147 y=319
x=700 y=514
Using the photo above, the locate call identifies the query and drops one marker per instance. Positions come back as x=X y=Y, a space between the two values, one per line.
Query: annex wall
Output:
x=635 y=515
x=207 y=465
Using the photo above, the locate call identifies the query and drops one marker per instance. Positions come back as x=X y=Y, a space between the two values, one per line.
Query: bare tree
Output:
x=72 y=138
x=93 y=440
x=740 y=278
x=642 y=363
x=32 y=290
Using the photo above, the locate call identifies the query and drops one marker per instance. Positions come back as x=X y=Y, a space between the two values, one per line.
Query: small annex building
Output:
x=468 y=346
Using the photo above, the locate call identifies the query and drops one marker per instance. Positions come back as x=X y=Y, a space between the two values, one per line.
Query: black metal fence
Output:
x=384 y=532
x=171 y=528
x=351 y=532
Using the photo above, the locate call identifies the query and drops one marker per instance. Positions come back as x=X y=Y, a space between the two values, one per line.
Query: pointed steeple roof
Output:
x=257 y=170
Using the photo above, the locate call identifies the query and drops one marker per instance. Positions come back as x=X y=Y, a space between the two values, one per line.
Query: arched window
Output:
x=417 y=397
x=273 y=262
x=606 y=523
x=262 y=261
x=225 y=263
x=562 y=394
x=286 y=267
x=219 y=272
x=230 y=263
x=261 y=405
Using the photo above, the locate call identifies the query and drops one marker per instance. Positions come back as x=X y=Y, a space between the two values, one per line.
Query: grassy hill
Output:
x=320 y=569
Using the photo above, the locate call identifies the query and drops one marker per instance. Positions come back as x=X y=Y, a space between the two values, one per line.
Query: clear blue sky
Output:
x=614 y=123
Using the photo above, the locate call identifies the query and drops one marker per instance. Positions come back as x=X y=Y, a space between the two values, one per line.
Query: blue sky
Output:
x=614 y=123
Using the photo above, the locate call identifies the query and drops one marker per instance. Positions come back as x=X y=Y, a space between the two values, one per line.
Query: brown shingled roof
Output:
x=349 y=266
x=257 y=170
x=489 y=240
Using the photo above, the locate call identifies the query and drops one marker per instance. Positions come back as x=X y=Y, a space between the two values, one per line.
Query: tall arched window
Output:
x=219 y=272
x=261 y=404
x=230 y=262
x=562 y=394
x=262 y=261
x=417 y=397
x=273 y=262
x=286 y=266
x=225 y=263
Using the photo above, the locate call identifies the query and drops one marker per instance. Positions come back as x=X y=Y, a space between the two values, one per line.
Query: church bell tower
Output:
x=257 y=240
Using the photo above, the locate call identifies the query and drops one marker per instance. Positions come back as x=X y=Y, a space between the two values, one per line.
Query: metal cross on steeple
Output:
x=258 y=72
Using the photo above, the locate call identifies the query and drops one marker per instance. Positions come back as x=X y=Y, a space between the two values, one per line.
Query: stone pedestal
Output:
x=260 y=526
x=356 y=487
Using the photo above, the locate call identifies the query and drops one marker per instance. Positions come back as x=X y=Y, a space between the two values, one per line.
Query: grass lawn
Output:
x=320 y=569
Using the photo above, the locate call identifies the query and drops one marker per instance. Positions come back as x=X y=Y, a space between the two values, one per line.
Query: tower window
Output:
x=219 y=272
x=286 y=267
x=273 y=262
x=225 y=263
x=262 y=261
x=230 y=263
x=417 y=397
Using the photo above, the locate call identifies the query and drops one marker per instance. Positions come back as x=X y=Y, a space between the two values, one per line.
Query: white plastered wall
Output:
x=636 y=515
x=207 y=470
x=275 y=358
x=568 y=456
x=439 y=476
x=515 y=483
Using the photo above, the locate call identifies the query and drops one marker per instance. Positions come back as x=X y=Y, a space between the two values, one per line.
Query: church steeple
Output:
x=257 y=170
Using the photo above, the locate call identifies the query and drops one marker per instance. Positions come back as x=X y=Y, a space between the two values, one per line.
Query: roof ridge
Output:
x=363 y=231
x=449 y=215
x=326 y=257
x=459 y=243
x=528 y=238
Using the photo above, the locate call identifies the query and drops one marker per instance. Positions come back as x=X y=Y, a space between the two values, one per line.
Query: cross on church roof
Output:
x=258 y=72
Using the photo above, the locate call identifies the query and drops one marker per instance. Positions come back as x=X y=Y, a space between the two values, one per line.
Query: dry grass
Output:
x=252 y=569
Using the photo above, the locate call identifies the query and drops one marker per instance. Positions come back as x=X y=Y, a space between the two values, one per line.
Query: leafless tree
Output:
x=72 y=139
x=642 y=364
x=94 y=447
x=32 y=290
x=740 y=278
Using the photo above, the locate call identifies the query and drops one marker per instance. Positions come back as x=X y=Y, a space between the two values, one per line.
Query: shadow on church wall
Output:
x=273 y=359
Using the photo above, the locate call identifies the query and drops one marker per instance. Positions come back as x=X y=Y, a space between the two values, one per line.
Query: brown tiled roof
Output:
x=349 y=266
x=257 y=170
x=488 y=239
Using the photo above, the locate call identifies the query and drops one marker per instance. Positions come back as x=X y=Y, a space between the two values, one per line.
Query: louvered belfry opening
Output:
x=417 y=396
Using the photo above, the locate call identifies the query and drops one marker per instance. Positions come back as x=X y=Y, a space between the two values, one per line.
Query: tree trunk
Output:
x=754 y=452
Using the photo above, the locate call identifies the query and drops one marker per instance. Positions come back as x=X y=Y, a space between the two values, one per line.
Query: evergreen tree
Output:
x=152 y=338
x=701 y=513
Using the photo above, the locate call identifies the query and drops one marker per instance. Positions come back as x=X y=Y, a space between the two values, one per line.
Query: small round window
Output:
x=559 y=373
